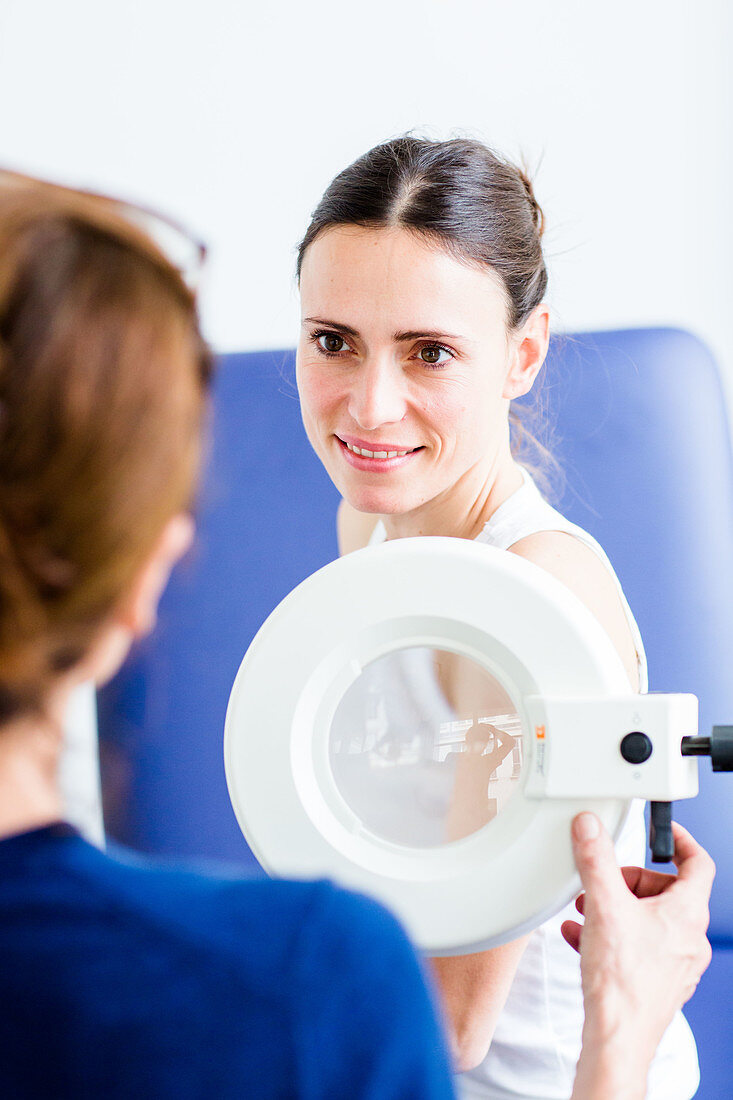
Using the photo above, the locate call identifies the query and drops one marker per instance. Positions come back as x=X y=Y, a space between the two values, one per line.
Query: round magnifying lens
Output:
x=381 y=732
x=426 y=747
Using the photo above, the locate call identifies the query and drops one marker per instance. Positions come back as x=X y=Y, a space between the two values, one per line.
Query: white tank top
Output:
x=537 y=1040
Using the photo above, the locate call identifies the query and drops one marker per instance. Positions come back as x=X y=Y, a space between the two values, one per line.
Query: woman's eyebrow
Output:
x=330 y=324
x=424 y=334
x=398 y=337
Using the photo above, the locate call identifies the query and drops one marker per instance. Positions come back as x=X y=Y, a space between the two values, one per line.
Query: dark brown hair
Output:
x=103 y=374
x=476 y=204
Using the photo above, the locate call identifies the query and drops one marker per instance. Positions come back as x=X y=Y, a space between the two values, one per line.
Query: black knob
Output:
x=636 y=748
x=721 y=748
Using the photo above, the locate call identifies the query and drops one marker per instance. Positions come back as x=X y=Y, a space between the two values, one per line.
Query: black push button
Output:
x=636 y=748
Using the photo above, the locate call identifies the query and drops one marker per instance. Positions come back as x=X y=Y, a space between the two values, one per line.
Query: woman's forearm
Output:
x=473 y=991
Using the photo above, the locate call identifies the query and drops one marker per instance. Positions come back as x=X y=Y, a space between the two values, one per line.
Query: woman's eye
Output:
x=432 y=355
x=331 y=342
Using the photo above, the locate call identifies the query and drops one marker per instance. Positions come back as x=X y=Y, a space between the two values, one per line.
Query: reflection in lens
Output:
x=425 y=747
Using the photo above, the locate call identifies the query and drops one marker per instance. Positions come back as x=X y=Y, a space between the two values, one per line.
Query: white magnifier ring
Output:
x=392 y=727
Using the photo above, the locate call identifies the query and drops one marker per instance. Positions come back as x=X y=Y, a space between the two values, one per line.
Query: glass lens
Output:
x=426 y=747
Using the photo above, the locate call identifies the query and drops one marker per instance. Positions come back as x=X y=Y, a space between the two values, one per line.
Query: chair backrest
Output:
x=641 y=434
x=642 y=437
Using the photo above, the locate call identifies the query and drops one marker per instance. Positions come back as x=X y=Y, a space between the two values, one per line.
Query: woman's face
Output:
x=404 y=354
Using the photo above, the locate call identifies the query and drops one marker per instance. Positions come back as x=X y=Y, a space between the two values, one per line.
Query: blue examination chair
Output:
x=640 y=431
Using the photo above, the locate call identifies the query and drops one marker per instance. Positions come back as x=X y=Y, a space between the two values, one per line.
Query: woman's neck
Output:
x=464 y=509
x=29 y=759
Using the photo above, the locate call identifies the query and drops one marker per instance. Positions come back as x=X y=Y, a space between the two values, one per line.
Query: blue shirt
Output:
x=125 y=978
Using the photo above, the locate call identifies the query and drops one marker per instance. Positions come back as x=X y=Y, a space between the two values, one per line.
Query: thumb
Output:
x=596 y=862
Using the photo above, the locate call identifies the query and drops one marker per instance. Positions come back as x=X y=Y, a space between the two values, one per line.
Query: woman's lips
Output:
x=376 y=456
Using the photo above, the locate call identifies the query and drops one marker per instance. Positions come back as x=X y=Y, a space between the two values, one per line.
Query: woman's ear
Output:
x=528 y=349
x=135 y=615
x=139 y=609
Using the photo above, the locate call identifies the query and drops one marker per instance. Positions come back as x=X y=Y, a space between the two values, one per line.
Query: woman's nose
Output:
x=377 y=396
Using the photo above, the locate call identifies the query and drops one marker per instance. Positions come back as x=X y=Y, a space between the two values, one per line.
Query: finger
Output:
x=694 y=865
x=596 y=862
x=571 y=933
x=580 y=904
x=646 y=884
x=685 y=845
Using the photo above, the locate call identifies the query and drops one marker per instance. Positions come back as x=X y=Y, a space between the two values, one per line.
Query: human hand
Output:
x=643 y=949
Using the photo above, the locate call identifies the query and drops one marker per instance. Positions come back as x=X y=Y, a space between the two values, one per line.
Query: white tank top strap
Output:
x=378 y=534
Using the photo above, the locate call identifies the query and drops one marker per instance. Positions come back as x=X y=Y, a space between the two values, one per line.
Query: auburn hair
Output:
x=103 y=380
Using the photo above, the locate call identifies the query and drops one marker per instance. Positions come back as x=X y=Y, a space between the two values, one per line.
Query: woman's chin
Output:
x=377 y=503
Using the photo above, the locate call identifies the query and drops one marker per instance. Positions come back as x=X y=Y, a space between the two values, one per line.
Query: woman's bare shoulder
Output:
x=354 y=528
x=584 y=573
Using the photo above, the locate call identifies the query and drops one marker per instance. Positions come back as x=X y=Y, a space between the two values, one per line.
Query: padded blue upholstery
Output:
x=642 y=437
x=643 y=440
x=641 y=433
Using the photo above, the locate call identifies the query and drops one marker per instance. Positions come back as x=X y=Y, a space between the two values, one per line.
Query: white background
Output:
x=234 y=115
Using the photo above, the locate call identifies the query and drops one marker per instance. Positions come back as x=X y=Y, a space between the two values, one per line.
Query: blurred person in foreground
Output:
x=122 y=976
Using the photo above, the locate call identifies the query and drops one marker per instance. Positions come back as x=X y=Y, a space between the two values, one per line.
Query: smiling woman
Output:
x=422 y=282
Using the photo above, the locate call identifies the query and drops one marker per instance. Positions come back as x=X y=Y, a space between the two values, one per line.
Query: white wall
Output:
x=234 y=115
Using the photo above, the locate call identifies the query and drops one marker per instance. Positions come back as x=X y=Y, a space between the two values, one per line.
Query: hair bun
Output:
x=538 y=216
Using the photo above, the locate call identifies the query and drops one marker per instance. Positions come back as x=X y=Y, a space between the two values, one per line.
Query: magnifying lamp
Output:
x=421 y=721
